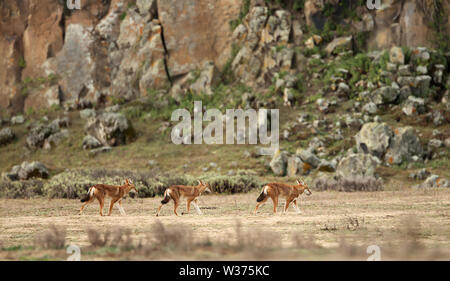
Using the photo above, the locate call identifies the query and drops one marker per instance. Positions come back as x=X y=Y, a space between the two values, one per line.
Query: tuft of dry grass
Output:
x=176 y=237
x=119 y=237
x=53 y=238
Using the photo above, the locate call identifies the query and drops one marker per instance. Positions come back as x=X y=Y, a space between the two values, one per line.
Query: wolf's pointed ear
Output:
x=199 y=182
x=297 y=182
x=126 y=181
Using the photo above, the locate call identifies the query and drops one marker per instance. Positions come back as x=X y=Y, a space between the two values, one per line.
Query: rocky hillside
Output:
x=118 y=50
x=363 y=93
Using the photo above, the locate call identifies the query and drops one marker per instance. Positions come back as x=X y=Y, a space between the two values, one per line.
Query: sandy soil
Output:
x=362 y=219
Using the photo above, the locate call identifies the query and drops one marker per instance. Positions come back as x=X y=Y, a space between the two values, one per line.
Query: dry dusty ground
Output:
x=406 y=224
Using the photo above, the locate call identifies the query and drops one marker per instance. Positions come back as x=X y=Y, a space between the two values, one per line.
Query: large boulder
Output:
x=278 y=163
x=295 y=166
x=327 y=166
x=435 y=181
x=384 y=95
x=28 y=170
x=56 y=138
x=404 y=146
x=422 y=85
x=357 y=165
x=396 y=55
x=39 y=133
x=110 y=129
x=6 y=136
x=307 y=156
x=414 y=106
x=374 y=138
x=89 y=142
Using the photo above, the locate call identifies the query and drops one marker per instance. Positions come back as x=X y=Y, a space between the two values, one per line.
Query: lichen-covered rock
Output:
x=278 y=163
x=39 y=133
x=420 y=175
x=404 y=70
x=339 y=44
x=357 y=165
x=308 y=157
x=75 y=64
x=110 y=129
x=404 y=94
x=201 y=81
x=422 y=86
x=139 y=60
x=406 y=81
x=56 y=138
x=196 y=31
x=370 y=108
x=87 y=113
x=19 y=119
x=438 y=73
x=438 y=118
x=6 y=136
x=396 y=55
x=90 y=142
x=384 y=95
x=375 y=138
x=265 y=47
x=414 y=106
x=146 y=6
x=435 y=181
x=327 y=166
x=313 y=13
x=404 y=146
x=28 y=170
x=43 y=98
x=435 y=143
x=295 y=166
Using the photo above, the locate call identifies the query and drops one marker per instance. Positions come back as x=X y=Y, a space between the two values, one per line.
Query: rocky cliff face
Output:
x=119 y=49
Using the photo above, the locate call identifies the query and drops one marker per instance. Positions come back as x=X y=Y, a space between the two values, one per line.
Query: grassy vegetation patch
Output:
x=75 y=183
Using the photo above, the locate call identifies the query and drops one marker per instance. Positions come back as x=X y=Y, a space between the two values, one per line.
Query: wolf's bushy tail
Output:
x=87 y=196
x=262 y=195
x=166 y=197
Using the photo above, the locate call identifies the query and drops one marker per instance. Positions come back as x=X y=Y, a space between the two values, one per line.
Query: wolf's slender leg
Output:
x=85 y=204
x=120 y=207
x=296 y=206
x=197 y=207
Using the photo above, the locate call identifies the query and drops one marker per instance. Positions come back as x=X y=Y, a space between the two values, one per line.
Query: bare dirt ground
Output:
x=405 y=224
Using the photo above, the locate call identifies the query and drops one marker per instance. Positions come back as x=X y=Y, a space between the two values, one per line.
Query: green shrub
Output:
x=349 y=184
x=75 y=183
x=21 y=189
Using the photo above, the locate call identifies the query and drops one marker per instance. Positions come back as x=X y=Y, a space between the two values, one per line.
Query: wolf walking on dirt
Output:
x=176 y=192
x=289 y=192
x=100 y=191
